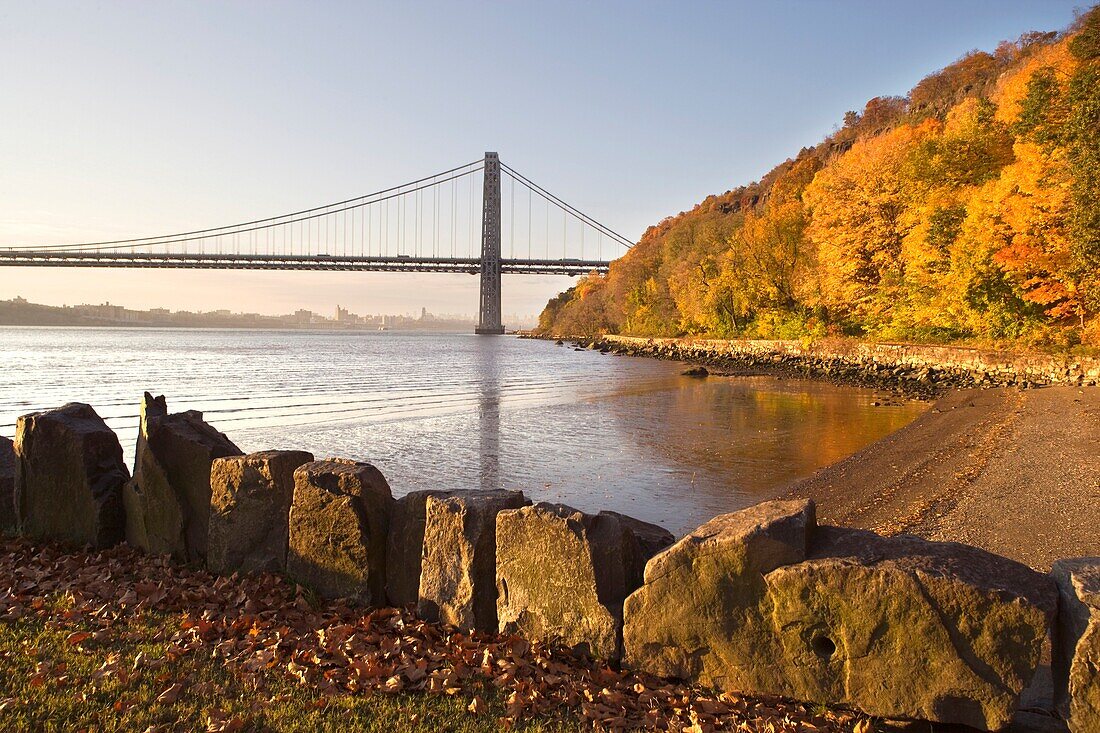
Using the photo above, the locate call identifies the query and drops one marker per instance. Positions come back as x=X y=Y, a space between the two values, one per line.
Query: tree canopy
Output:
x=967 y=210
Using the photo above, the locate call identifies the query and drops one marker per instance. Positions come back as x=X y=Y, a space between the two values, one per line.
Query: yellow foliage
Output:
x=947 y=216
x=1012 y=88
x=858 y=222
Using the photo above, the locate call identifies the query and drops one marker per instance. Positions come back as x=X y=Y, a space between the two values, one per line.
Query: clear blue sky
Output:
x=133 y=118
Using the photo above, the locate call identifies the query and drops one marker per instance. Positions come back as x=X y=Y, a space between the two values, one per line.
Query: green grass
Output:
x=115 y=640
x=50 y=684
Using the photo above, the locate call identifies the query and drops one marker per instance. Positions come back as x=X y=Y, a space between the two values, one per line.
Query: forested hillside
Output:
x=967 y=210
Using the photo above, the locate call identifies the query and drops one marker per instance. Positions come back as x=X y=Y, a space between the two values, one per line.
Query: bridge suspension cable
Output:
x=429 y=224
x=577 y=214
x=281 y=220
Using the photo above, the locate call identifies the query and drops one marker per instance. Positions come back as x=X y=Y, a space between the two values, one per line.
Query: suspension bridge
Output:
x=426 y=225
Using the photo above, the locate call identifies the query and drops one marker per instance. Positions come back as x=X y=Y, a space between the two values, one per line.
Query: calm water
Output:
x=459 y=411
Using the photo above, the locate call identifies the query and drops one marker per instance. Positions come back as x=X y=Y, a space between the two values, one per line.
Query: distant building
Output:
x=105 y=311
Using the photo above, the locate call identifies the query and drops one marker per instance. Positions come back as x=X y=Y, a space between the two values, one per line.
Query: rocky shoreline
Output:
x=765 y=601
x=912 y=371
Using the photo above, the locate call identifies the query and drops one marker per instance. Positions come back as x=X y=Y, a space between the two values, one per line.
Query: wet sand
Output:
x=1016 y=472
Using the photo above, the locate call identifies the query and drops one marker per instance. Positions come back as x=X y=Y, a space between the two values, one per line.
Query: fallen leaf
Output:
x=170 y=695
x=77 y=637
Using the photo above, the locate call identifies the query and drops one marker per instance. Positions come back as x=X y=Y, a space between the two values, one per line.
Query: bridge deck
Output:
x=321 y=262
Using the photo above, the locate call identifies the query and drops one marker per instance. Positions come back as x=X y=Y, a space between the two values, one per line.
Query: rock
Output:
x=696 y=616
x=765 y=602
x=8 y=519
x=405 y=546
x=337 y=530
x=1076 y=651
x=563 y=574
x=168 y=500
x=956 y=631
x=651 y=538
x=695 y=371
x=69 y=476
x=148 y=524
x=458 y=573
x=250 y=499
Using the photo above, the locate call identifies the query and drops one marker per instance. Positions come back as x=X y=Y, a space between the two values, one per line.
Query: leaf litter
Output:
x=263 y=625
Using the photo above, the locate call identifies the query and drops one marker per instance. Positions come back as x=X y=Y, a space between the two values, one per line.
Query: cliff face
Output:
x=969 y=209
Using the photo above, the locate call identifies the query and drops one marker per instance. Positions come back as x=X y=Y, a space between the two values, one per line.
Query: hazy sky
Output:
x=140 y=118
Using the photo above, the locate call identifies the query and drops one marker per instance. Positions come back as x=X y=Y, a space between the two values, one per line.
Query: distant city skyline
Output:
x=19 y=311
x=127 y=119
x=337 y=308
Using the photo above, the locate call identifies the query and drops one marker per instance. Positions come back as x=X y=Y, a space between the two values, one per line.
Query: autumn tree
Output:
x=858 y=222
x=969 y=209
x=1082 y=131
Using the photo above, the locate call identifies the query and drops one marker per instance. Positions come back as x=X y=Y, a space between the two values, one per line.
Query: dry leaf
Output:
x=77 y=637
x=170 y=695
x=261 y=626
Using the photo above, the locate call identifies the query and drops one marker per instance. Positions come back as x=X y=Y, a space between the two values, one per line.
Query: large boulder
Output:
x=9 y=523
x=563 y=574
x=901 y=627
x=337 y=531
x=696 y=616
x=250 y=499
x=458 y=573
x=168 y=499
x=405 y=546
x=1076 y=650
x=69 y=475
x=764 y=601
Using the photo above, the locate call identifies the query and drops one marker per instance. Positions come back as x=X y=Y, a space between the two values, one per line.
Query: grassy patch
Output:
x=128 y=679
x=118 y=641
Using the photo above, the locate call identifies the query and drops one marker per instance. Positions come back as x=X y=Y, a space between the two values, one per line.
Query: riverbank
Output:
x=802 y=596
x=1015 y=472
x=1007 y=458
x=914 y=370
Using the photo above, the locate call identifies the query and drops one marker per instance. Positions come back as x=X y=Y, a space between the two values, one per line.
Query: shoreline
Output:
x=911 y=370
x=186 y=327
x=958 y=460
x=1001 y=460
x=1014 y=472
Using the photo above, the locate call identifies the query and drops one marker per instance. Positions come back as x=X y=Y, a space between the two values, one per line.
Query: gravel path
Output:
x=1016 y=472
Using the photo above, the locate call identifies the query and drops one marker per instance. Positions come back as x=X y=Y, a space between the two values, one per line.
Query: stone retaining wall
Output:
x=955 y=364
x=760 y=601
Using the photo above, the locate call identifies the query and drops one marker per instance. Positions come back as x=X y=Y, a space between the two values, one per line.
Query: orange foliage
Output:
x=967 y=210
x=1013 y=86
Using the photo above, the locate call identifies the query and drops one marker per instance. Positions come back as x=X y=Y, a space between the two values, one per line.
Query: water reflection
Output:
x=488 y=414
x=743 y=438
x=678 y=451
x=457 y=411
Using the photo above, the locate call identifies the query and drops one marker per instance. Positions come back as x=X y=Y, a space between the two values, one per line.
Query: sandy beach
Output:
x=1016 y=472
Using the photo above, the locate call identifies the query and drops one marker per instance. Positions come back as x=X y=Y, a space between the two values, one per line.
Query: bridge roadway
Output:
x=322 y=262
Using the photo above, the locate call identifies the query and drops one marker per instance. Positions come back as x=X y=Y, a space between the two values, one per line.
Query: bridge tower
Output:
x=489 y=316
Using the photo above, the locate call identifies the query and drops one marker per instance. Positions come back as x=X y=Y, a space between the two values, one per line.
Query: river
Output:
x=457 y=411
